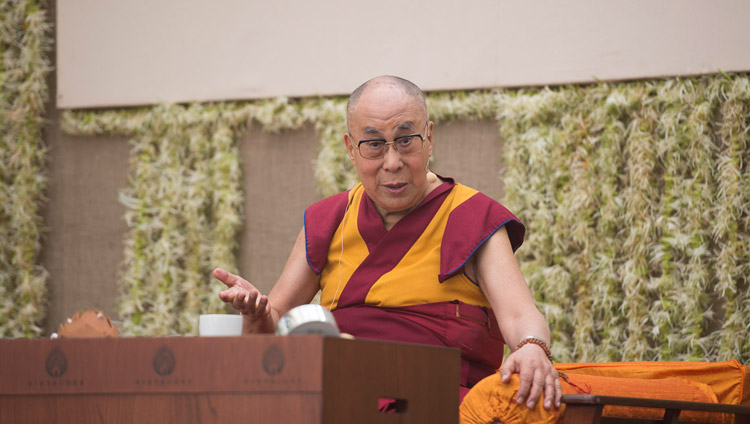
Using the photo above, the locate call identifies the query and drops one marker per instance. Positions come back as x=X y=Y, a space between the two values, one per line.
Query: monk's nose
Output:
x=392 y=159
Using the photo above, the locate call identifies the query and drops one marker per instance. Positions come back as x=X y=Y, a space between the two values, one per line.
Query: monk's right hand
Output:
x=244 y=297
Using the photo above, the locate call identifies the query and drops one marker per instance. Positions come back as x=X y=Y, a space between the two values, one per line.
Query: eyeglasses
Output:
x=374 y=148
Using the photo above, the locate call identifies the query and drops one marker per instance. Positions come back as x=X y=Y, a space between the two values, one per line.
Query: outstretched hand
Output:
x=537 y=375
x=244 y=297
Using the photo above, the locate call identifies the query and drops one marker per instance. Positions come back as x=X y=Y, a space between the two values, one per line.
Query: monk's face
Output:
x=395 y=182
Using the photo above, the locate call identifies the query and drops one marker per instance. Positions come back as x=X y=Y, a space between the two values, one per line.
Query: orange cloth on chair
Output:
x=491 y=400
x=729 y=380
x=672 y=388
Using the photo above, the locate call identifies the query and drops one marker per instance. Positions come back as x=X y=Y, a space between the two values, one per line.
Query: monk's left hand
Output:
x=537 y=375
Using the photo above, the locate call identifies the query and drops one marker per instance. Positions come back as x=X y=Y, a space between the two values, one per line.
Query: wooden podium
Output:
x=253 y=379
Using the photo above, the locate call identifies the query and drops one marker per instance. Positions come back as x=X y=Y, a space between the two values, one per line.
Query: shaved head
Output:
x=386 y=80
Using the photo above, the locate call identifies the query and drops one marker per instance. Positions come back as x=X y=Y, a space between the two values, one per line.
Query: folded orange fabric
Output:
x=491 y=400
x=672 y=388
x=729 y=380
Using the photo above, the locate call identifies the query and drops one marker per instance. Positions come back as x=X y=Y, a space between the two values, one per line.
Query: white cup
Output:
x=212 y=325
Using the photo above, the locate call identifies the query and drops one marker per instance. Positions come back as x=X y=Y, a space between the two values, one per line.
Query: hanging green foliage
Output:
x=184 y=200
x=184 y=210
x=635 y=196
x=637 y=199
x=24 y=65
x=731 y=217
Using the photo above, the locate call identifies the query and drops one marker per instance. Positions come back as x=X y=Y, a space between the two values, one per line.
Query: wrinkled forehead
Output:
x=387 y=107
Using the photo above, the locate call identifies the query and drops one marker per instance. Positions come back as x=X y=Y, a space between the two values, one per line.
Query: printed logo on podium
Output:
x=273 y=360
x=56 y=363
x=164 y=361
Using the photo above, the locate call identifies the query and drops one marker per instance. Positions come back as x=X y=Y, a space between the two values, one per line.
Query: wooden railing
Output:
x=588 y=409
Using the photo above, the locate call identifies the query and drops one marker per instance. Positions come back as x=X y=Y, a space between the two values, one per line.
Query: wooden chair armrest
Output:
x=584 y=409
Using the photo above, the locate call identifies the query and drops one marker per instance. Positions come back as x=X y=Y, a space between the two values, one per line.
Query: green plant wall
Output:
x=636 y=197
x=24 y=44
x=184 y=201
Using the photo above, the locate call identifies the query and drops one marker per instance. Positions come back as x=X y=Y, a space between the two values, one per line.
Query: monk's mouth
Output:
x=395 y=187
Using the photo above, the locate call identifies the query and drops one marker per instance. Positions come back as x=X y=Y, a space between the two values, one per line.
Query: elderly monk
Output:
x=407 y=255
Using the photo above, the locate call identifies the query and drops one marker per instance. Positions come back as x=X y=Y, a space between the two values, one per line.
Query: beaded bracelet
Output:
x=537 y=341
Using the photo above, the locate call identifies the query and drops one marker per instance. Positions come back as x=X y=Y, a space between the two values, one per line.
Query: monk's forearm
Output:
x=516 y=327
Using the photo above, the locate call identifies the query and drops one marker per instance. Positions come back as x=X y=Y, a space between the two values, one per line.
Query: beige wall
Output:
x=114 y=52
x=279 y=184
x=82 y=250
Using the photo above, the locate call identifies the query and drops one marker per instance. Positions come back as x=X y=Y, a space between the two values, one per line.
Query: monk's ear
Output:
x=429 y=139
x=349 y=146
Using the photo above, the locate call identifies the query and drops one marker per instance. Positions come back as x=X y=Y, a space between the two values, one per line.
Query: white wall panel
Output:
x=118 y=53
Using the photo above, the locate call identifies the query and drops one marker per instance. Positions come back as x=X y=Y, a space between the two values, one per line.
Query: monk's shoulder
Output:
x=320 y=222
x=474 y=213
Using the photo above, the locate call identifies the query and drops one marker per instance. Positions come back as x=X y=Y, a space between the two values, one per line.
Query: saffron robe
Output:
x=408 y=283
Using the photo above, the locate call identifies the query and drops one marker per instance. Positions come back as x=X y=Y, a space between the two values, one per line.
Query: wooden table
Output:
x=253 y=379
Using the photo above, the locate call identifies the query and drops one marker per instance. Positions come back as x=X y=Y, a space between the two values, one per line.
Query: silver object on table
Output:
x=308 y=319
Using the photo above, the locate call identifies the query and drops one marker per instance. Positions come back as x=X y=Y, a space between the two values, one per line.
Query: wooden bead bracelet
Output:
x=537 y=341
